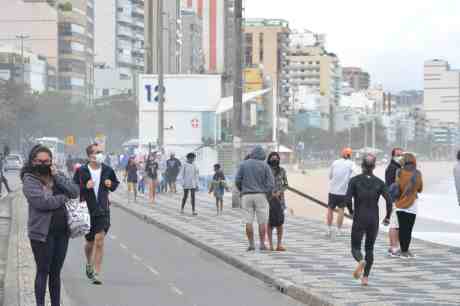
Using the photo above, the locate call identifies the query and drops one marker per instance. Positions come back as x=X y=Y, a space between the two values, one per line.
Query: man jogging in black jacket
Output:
x=96 y=181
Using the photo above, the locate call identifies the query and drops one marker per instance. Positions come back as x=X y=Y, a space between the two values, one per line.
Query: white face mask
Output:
x=100 y=158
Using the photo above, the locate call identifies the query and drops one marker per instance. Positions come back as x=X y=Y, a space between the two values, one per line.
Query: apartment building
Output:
x=441 y=99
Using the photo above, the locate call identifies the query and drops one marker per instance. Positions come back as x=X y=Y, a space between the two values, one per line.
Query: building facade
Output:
x=311 y=66
x=441 y=92
x=357 y=78
x=172 y=35
x=119 y=33
x=110 y=82
x=76 y=48
x=37 y=22
x=36 y=70
x=192 y=56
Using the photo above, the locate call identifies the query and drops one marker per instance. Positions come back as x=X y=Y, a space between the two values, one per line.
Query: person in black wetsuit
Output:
x=366 y=189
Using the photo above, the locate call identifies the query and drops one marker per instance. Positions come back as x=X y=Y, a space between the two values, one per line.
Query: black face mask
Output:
x=274 y=163
x=42 y=169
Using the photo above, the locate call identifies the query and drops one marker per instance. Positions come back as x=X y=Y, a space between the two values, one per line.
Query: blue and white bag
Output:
x=78 y=218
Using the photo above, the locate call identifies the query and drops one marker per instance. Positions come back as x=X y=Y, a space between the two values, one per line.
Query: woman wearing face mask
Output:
x=151 y=171
x=46 y=192
x=277 y=201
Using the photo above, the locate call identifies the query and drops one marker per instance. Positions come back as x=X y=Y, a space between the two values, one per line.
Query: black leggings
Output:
x=357 y=232
x=406 y=225
x=192 y=195
x=49 y=259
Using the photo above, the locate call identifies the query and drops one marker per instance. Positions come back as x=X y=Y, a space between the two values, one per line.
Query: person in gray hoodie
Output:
x=457 y=177
x=46 y=192
x=255 y=181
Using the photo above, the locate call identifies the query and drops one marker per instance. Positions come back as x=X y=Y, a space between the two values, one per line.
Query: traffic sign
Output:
x=69 y=140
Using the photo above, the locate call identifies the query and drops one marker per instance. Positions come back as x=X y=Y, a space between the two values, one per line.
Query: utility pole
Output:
x=161 y=88
x=373 y=132
x=365 y=134
x=23 y=37
x=237 y=90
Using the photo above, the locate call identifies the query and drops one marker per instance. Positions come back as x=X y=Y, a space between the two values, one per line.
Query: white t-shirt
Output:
x=340 y=175
x=411 y=210
x=96 y=178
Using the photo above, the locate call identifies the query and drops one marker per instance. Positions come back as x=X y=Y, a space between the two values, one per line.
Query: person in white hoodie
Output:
x=190 y=178
x=457 y=177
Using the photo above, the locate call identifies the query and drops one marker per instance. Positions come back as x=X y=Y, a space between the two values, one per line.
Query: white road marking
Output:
x=152 y=270
x=135 y=257
x=113 y=237
x=176 y=290
x=123 y=246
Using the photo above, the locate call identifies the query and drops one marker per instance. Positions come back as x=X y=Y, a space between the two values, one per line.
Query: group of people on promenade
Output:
x=153 y=171
x=361 y=193
x=262 y=184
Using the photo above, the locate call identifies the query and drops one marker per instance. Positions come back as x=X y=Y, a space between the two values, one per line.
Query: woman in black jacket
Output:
x=46 y=192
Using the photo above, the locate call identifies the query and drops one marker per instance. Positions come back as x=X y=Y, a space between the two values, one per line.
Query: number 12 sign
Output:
x=148 y=89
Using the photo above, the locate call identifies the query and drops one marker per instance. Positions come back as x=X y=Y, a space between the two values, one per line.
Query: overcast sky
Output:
x=391 y=39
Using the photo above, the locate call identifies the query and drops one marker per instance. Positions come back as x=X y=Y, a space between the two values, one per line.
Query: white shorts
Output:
x=255 y=206
x=394 y=219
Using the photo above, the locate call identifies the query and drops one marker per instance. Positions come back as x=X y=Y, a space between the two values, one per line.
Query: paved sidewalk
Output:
x=314 y=270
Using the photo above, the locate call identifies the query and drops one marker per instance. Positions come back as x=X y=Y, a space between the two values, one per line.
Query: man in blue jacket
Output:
x=96 y=181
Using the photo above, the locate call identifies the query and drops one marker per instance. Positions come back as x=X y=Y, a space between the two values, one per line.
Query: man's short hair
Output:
x=393 y=152
x=90 y=148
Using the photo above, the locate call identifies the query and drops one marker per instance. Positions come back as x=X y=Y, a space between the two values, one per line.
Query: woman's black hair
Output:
x=277 y=170
x=458 y=155
x=28 y=167
x=191 y=155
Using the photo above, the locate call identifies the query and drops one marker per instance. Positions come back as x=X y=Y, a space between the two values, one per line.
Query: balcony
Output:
x=139 y=36
x=124 y=18
x=126 y=59
x=138 y=11
x=139 y=24
x=125 y=32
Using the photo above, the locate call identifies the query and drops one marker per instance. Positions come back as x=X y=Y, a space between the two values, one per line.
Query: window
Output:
x=120 y=9
x=248 y=51
x=261 y=47
x=105 y=92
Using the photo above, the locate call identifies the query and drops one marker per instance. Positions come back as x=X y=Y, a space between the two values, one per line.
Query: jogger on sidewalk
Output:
x=339 y=176
x=96 y=181
x=365 y=190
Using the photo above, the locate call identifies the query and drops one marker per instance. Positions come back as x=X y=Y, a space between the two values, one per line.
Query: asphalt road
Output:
x=148 y=266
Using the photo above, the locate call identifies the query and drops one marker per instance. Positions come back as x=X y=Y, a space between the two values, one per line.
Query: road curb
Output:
x=300 y=294
x=11 y=283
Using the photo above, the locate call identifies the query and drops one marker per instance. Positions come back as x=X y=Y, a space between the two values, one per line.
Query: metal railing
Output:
x=313 y=199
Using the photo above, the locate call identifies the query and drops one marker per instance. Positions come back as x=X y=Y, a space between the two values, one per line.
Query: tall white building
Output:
x=441 y=92
x=119 y=35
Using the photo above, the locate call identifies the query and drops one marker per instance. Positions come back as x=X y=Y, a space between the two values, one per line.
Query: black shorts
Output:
x=98 y=224
x=336 y=200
